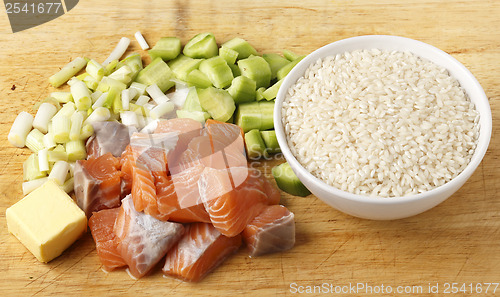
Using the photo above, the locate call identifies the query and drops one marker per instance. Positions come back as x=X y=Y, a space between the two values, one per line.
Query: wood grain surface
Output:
x=457 y=241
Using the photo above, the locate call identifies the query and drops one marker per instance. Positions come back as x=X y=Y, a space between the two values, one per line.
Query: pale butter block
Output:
x=47 y=221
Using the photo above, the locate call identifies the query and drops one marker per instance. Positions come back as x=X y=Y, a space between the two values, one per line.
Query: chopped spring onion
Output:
x=67 y=72
x=119 y=50
x=100 y=101
x=59 y=172
x=67 y=110
x=129 y=118
x=31 y=170
x=81 y=95
x=149 y=106
x=68 y=185
x=31 y=185
x=162 y=109
x=140 y=39
x=95 y=69
x=140 y=88
x=142 y=100
x=111 y=66
x=20 y=129
x=48 y=141
x=91 y=83
x=122 y=74
x=44 y=114
x=72 y=168
x=61 y=126
x=76 y=125
x=100 y=114
x=87 y=131
x=150 y=127
x=75 y=150
x=180 y=94
x=34 y=140
x=157 y=94
x=94 y=96
x=43 y=160
x=125 y=99
x=62 y=97
x=54 y=156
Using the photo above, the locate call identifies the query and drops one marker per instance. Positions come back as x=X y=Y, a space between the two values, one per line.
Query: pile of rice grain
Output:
x=380 y=123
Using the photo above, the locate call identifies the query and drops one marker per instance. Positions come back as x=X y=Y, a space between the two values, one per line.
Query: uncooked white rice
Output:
x=380 y=123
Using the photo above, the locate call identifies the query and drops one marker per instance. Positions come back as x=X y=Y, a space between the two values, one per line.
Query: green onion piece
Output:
x=256 y=68
x=67 y=72
x=142 y=100
x=61 y=126
x=272 y=91
x=162 y=109
x=76 y=125
x=117 y=104
x=110 y=97
x=125 y=96
x=81 y=95
x=94 y=96
x=31 y=170
x=43 y=161
x=140 y=39
x=134 y=62
x=276 y=62
x=123 y=74
x=75 y=150
x=111 y=67
x=167 y=48
x=20 y=128
x=108 y=83
x=100 y=114
x=95 y=69
x=91 y=83
x=100 y=101
x=217 y=71
x=242 y=89
x=48 y=141
x=87 y=131
x=31 y=185
x=67 y=110
x=156 y=94
x=202 y=45
x=59 y=148
x=157 y=72
x=228 y=54
x=54 y=156
x=62 y=97
x=243 y=48
x=34 y=140
x=68 y=185
x=200 y=116
x=139 y=88
x=119 y=50
x=59 y=172
x=289 y=55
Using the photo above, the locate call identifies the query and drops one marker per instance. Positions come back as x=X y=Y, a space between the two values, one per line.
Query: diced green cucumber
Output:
x=217 y=71
x=259 y=94
x=255 y=115
x=255 y=145
x=167 y=48
x=134 y=61
x=192 y=102
x=198 y=79
x=158 y=73
x=287 y=68
x=289 y=55
x=217 y=102
x=241 y=46
x=276 y=62
x=200 y=116
x=269 y=137
x=235 y=69
x=242 y=89
x=288 y=181
x=272 y=91
x=256 y=68
x=228 y=54
x=183 y=65
x=202 y=45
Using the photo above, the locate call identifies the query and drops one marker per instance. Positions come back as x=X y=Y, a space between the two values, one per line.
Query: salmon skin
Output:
x=273 y=230
x=101 y=226
x=97 y=183
x=142 y=239
x=199 y=251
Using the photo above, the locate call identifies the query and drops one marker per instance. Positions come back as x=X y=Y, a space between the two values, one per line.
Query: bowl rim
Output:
x=456 y=182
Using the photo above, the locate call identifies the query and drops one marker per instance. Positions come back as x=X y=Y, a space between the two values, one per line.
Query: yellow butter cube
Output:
x=47 y=221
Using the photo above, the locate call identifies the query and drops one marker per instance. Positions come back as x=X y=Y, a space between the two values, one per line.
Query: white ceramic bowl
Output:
x=379 y=208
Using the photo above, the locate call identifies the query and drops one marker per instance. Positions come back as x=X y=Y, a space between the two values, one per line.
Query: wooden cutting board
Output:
x=456 y=242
